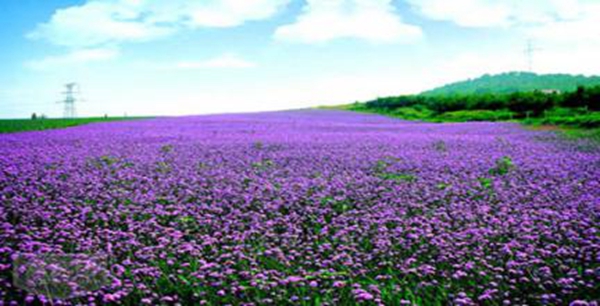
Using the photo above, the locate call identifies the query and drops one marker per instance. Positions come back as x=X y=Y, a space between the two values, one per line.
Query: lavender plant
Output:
x=304 y=208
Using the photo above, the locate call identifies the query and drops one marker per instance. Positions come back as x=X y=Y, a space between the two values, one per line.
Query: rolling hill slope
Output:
x=515 y=82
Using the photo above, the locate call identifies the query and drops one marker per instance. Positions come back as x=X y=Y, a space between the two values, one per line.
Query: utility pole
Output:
x=529 y=51
x=72 y=90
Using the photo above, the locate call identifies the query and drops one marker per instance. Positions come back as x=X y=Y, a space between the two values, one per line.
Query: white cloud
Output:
x=583 y=29
x=463 y=12
x=230 y=13
x=97 y=23
x=224 y=61
x=493 y=13
x=371 y=20
x=73 y=57
x=100 y=22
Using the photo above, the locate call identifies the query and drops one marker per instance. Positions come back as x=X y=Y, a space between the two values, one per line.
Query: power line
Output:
x=530 y=51
x=72 y=94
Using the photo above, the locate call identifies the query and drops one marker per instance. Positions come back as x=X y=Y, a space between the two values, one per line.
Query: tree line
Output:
x=515 y=82
x=522 y=104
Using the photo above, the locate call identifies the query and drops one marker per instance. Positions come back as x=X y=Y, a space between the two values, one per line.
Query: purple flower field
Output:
x=303 y=208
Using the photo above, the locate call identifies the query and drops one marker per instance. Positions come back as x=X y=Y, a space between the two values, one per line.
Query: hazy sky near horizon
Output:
x=177 y=57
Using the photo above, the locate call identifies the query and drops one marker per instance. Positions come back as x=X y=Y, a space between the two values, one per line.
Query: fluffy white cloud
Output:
x=74 y=57
x=230 y=13
x=208 y=13
x=463 y=12
x=325 y=20
x=99 y=22
x=491 y=13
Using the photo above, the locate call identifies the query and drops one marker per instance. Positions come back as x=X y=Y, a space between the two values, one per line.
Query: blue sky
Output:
x=150 y=57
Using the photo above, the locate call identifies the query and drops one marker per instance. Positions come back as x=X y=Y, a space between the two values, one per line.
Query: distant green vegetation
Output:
x=579 y=108
x=21 y=125
x=516 y=82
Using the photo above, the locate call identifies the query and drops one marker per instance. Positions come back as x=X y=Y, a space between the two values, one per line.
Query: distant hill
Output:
x=515 y=82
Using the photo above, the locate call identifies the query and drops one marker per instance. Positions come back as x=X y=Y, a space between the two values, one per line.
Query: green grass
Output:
x=574 y=133
x=424 y=114
x=22 y=125
x=572 y=123
x=563 y=117
x=567 y=118
x=593 y=134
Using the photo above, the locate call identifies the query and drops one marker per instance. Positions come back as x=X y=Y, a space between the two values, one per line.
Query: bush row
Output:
x=522 y=104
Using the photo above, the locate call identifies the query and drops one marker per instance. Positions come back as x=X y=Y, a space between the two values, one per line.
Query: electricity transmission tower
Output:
x=530 y=50
x=71 y=96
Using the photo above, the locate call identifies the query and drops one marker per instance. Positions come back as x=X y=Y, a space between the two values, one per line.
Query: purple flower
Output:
x=245 y=208
x=339 y=284
x=294 y=279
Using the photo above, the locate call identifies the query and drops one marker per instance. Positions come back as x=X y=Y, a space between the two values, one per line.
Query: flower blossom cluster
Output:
x=305 y=207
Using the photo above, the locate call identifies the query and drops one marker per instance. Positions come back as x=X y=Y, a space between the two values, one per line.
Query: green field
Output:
x=22 y=125
x=575 y=118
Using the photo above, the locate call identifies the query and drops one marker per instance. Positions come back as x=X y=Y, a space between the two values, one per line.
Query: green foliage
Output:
x=485 y=182
x=577 y=109
x=166 y=149
x=511 y=82
x=503 y=166
x=498 y=106
x=398 y=177
x=263 y=164
x=586 y=97
x=163 y=167
x=477 y=115
x=382 y=171
x=531 y=103
x=108 y=160
x=412 y=113
x=104 y=161
x=568 y=117
x=21 y=125
x=590 y=120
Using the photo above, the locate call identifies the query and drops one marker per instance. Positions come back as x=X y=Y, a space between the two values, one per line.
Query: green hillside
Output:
x=574 y=101
x=515 y=82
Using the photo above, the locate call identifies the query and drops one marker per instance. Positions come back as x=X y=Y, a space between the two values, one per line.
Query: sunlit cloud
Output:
x=99 y=22
x=370 y=20
x=498 y=13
